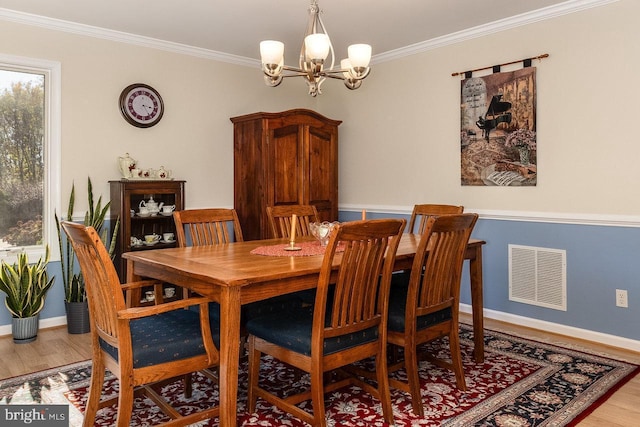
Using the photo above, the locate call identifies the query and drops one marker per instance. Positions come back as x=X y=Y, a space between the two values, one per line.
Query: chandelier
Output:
x=315 y=49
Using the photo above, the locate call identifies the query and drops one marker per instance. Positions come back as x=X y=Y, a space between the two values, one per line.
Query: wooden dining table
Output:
x=232 y=276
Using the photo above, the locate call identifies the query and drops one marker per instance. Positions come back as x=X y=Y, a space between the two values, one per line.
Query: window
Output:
x=29 y=155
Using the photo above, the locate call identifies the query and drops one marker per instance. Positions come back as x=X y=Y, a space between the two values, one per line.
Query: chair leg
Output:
x=317 y=397
x=456 y=359
x=254 y=372
x=411 y=366
x=95 y=392
x=187 y=381
x=125 y=401
x=383 y=386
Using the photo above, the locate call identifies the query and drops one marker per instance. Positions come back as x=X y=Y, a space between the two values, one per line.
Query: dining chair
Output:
x=427 y=307
x=280 y=219
x=207 y=226
x=336 y=331
x=211 y=226
x=422 y=212
x=144 y=347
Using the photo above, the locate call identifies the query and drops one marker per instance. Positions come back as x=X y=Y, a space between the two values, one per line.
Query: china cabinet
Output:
x=127 y=196
x=284 y=158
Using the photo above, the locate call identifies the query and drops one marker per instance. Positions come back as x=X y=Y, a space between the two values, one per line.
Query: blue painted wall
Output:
x=600 y=259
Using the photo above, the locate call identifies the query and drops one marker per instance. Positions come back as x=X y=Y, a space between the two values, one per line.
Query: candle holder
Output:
x=292 y=246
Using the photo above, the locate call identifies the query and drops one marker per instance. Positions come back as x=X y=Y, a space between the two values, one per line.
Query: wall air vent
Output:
x=538 y=276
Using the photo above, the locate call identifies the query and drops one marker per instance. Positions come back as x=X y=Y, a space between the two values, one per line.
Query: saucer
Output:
x=150 y=243
x=166 y=213
x=168 y=241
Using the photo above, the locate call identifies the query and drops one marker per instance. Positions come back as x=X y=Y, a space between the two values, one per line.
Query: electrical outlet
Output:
x=621 y=298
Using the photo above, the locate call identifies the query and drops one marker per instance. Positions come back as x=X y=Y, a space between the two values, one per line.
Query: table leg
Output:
x=132 y=297
x=475 y=267
x=229 y=355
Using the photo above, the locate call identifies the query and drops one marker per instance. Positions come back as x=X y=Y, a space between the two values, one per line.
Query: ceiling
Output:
x=236 y=27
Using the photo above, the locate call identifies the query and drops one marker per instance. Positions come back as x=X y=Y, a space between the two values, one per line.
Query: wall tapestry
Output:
x=498 y=129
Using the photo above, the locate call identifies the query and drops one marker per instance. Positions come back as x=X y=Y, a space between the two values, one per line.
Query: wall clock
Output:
x=141 y=105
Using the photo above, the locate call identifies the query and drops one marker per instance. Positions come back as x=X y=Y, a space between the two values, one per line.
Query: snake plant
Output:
x=74 y=286
x=26 y=285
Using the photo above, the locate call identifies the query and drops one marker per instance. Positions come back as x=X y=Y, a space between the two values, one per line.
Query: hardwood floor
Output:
x=55 y=347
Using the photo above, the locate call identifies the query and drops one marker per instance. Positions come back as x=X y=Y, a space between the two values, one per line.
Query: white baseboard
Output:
x=587 y=335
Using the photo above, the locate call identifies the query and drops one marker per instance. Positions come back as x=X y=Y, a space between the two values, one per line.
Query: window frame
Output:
x=52 y=150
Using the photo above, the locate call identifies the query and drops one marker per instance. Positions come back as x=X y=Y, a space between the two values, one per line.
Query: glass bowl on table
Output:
x=322 y=230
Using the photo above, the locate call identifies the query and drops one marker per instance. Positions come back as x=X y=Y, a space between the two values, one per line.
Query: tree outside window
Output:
x=22 y=159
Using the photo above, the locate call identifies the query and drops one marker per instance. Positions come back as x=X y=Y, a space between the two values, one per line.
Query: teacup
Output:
x=168 y=237
x=169 y=292
x=150 y=295
x=150 y=238
x=168 y=208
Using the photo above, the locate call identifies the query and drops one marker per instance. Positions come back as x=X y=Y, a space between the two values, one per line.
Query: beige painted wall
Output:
x=399 y=138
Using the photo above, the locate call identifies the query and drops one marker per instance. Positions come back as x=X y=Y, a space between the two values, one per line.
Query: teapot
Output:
x=126 y=164
x=151 y=205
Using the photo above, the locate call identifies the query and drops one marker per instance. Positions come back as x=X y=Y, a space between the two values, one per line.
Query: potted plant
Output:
x=26 y=286
x=73 y=282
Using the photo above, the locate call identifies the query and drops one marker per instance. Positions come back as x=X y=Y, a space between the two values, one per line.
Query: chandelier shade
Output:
x=314 y=53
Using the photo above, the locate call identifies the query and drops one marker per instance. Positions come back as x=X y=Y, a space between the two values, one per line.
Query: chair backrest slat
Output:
x=423 y=212
x=207 y=226
x=280 y=219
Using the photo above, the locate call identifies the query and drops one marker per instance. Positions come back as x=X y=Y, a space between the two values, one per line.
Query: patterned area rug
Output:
x=521 y=383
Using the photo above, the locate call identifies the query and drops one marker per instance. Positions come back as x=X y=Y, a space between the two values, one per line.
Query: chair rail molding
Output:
x=605 y=220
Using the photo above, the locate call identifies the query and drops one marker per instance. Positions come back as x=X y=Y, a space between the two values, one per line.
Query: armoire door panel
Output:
x=320 y=170
x=285 y=165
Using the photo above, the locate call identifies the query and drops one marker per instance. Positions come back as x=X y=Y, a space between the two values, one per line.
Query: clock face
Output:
x=141 y=105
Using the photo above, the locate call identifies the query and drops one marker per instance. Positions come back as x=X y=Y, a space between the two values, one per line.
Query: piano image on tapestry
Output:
x=498 y=112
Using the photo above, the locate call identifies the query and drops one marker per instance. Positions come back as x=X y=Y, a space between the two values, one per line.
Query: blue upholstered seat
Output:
x=277 y=304
x=166 y=337
x=294 y=332
x=398 y=306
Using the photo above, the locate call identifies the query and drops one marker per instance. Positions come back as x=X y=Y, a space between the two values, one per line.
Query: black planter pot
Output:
x=77 y=317
x=24 y=329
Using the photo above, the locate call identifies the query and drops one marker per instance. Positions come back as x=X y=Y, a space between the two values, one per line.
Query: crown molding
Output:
x=122 y=37
x=550 y=12
x=543 y=14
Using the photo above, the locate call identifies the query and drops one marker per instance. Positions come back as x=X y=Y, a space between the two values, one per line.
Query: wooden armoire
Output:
x=284 y=158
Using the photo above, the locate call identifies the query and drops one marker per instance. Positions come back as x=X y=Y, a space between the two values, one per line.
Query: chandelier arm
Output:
x=294 y=72
x=339 y=74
